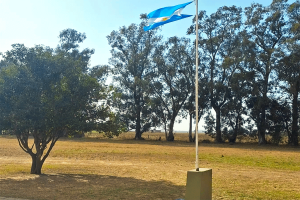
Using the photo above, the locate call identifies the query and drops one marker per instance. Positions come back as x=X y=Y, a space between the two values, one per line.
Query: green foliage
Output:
x=172 y=80
x=268 y=29
x=48 y=93
x=112 y=127
x=220 y=54
x=210 y=125
x=132 y=49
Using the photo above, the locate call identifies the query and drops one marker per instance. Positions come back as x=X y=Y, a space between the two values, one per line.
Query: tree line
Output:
x=248 y=74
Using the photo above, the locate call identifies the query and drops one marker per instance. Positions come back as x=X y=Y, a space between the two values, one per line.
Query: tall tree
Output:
x=203 y=102
x=45 y=94
x=132 y=49
x=289 y=71
x=172 y=80
x=217 y=34
x=267 y=26
x=241 y=57
x=289 y=67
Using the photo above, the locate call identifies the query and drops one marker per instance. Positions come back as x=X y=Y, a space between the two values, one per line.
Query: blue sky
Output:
x=39 y=21
x=33 y=22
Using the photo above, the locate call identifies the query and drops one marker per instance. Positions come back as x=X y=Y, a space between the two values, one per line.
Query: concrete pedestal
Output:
x=199 y=184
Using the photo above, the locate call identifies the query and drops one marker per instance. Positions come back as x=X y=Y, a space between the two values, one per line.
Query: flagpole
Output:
x=196 y=90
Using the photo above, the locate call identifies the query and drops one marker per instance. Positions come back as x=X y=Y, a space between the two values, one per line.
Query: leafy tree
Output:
x=290 y=73
x=172 y=79
x=234 y=112
x=203 y=102
x=217 y=38
x=278 y=120
x=46 y=94
x=132 y=49
x=289 y=68
x=210 y=123
x=267 y=26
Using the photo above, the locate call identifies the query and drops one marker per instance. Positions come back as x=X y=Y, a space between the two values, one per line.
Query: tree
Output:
x=210 y=124
x=46 y=94
x=241 y=56
x=217 y=38
x=203 y=102
x=267 y=26
x=234 y=111
x=278 y=120
x=172 y=79
x=289 y=68
x=132 y=49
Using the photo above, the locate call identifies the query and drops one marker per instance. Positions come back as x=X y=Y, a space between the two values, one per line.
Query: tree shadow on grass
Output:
x=75 y=186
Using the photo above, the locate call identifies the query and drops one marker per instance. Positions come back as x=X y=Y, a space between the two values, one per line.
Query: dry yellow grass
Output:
x=122 y=168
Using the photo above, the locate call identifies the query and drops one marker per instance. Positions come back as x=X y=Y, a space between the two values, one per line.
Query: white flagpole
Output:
x=196 y=90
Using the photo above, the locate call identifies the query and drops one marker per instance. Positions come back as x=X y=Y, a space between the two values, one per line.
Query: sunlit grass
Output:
x=153 y=169
x=7 y=169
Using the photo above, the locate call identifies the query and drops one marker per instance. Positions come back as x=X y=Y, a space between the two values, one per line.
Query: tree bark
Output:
x=294 y=137
x=218 y=125
x=262 y=130
x=36 y=165
x=138 y=135
x=235 y=130
x=166 y=134
x=171 y=135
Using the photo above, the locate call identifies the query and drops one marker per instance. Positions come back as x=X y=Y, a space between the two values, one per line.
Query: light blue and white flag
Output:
x=165 y=15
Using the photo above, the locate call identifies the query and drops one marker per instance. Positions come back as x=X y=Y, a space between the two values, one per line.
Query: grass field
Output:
x=122 y=168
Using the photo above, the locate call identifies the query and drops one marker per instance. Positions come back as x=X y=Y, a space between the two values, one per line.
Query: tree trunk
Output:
x=294 y=137
x=218 y=125
x=262 y=130
x=190 y=128
x=232 y=139
x=36 y=165
x=138 y=135
x=171 y=135
x=166 y=134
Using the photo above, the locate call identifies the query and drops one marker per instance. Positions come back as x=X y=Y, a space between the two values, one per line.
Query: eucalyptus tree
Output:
x=241 y=58
x=172 y=80
x=189 y=107
x=289 y=72
x=46 y=94
x=132 y=50
x=268 y=27
x=217 y=37
x=289 y=68
x=235 y=111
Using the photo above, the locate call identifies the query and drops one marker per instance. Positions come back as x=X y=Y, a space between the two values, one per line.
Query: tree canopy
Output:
x=47 y=93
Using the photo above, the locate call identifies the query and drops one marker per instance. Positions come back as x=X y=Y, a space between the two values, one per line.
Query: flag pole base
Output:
x=199 y=184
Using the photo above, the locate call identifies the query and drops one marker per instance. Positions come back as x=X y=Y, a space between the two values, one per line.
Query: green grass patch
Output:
x=264 y=161
x=6 y=169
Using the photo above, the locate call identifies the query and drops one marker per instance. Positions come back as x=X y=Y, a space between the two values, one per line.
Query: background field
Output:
x=122 y=168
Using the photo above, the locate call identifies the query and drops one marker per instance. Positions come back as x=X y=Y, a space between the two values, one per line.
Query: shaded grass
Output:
x=61 y=186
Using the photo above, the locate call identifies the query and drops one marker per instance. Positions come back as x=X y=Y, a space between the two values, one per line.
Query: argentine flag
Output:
x=165 y=15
